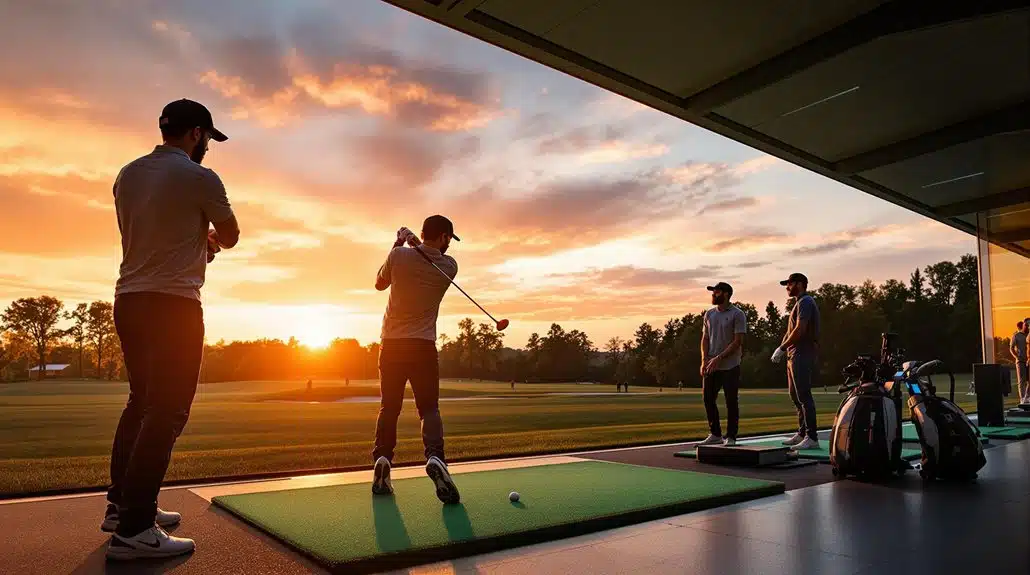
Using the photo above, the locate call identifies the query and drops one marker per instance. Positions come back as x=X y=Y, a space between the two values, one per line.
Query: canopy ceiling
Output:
x=923 y=104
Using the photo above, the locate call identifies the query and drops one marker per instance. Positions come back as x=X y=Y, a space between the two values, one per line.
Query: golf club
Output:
x=500 y=324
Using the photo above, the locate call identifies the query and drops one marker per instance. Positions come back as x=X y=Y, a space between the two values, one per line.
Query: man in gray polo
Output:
x=722 y=341
x=801 y=346
x=165 y=204
x=408 y=351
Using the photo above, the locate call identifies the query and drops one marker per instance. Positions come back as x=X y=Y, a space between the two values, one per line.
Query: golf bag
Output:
x=866 y=439
x=949 y=440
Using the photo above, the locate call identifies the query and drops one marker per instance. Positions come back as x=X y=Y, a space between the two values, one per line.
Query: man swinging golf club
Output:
x=408 y=351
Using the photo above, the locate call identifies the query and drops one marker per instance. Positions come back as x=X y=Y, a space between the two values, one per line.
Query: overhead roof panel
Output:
x=683 y=46
x=536 y=16
x=884 y=96
x=981 y=168
x=894 y=88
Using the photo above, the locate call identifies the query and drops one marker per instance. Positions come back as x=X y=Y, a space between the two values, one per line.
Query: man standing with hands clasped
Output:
x=801 y=346
x=722 y=340
x=166 y=203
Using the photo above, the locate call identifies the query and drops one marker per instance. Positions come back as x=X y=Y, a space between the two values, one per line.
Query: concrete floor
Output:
x=843 y=527
x=818 y=526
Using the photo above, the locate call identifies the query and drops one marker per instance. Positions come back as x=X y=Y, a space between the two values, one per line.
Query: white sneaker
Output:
x=381 y=484
x=153 y=543
x=446 y=490
x=163 y=519
x=711 y=440
x=798 y=438
x=808 y=443
x=730 y=442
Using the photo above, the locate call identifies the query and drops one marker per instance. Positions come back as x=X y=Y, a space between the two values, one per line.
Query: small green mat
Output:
x=822 y=453
x=910 y=435
x=1006 y=432
x=1016 y=419
x=346 y=528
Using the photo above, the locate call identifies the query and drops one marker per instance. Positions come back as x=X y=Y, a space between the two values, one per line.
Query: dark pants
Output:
x=800 y=376
x=729 y=381
x=401 y=361
x=162 y=339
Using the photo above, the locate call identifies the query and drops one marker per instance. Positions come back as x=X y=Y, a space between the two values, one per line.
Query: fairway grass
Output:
x=57 y=436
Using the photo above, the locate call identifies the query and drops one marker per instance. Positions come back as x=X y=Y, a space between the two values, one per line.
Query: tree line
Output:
x=30 y=336
x=936 y=314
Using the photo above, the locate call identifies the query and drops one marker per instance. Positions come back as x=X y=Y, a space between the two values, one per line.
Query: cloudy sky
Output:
x=350 y=118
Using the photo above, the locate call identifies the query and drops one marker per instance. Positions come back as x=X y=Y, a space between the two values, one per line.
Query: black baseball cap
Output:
x=434 y=226
x=723 y=287
x=795 y=277
x=189 y=114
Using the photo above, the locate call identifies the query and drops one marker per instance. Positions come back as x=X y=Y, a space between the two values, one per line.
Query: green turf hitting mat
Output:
x=822 y=453
x=1017 y=419
x=348 y=530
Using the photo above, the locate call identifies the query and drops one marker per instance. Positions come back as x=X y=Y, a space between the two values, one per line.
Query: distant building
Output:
x=51 y=369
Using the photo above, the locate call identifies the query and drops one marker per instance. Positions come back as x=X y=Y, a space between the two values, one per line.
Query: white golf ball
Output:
x=513 y=496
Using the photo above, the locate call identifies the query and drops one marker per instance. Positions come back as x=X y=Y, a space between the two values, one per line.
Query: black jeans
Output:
x=800 y=377
x=162 y=339
x=400 y=361
x=729 y=381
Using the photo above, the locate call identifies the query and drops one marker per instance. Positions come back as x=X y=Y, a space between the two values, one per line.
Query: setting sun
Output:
x=315 y=336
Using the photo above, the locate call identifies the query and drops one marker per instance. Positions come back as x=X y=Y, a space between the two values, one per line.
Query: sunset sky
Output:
x=350 y=118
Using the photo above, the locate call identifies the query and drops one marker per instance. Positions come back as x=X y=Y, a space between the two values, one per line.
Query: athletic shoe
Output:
x=381 y=484
x=798 y=438
x=163 y=518
x=730 y=442
x=153 y=543
x=446 y=490
x=711 y=440
x=808 y=443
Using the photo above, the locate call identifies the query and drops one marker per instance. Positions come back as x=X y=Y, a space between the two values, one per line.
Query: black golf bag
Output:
x=866 y=438
x=949 y=440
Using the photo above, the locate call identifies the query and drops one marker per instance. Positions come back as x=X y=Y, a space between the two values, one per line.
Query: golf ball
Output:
x=513 y=496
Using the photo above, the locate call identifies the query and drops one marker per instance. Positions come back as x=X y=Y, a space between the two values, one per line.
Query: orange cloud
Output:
x=374 y=89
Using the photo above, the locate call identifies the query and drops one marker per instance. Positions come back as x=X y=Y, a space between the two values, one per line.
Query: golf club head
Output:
x=502 y=324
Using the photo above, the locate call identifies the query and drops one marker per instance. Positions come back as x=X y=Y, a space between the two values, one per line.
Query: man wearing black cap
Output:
x=722 y=340
x=408 y=351
x=801 y=346
x=165 y=203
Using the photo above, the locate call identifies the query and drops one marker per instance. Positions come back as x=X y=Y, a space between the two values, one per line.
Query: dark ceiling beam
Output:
x=991 y=202
x=1013 y=119
x=1010 y=236
x=894 y=17
x=462 y=7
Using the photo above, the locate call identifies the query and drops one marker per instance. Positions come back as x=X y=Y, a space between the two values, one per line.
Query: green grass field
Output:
x=57 y=435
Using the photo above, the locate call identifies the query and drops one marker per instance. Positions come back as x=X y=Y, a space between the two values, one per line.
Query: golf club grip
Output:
x=432 y=263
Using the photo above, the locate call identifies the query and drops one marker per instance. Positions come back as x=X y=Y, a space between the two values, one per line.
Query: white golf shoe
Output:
x=446 y=490
x=153 y=543
x=798 y=438
x=381 y=484
x=808 y=443
x=163 y=519
x=711 y=440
